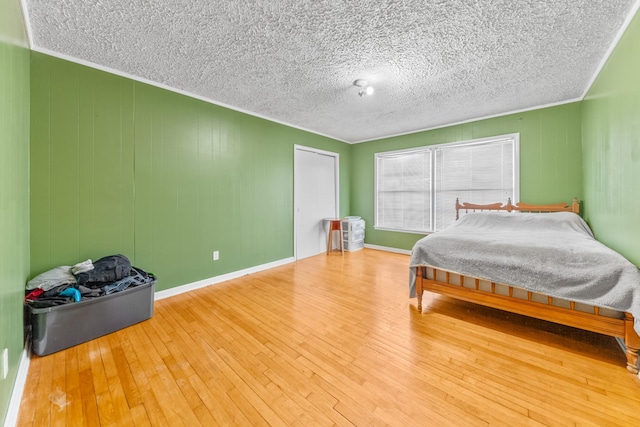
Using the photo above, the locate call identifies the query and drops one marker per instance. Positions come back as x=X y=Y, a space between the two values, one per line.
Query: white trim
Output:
x=315 y=150
x=218 y=279
x=388 y=249
x=20 y=40
x=23 y=369
x=432 y=149
x=35 y=48
x=172 y=89
x=240 y=110
x=395 y=230
x=475 y=119
x=612 y=47
x=336 y=160
x=18 y=387
x=27 y=23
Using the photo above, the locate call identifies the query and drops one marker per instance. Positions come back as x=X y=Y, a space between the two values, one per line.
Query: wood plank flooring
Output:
x=332 y=340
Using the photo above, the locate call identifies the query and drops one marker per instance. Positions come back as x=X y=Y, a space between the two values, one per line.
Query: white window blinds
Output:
x=404 y=190
x=478 y=173
x=416 y=189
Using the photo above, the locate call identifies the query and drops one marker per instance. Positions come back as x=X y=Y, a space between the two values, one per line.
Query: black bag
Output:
x=105 y=270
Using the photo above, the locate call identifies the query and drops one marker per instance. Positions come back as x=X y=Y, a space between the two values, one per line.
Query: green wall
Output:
x=14 y=188
x=550 y=160
x=611 y=148
x=118 y=166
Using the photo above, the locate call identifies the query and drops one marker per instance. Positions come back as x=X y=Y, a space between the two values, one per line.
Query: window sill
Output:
x=396 y=230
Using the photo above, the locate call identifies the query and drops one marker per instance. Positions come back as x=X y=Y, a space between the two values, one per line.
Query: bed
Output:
x=540 y=261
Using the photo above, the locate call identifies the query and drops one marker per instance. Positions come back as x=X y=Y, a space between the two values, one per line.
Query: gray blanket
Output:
x=555 y=254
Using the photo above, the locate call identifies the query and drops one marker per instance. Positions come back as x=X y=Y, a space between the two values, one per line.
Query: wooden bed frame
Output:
x=595 y=322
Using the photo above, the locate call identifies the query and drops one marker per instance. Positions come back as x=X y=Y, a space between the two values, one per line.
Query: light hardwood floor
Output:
x=332 y=340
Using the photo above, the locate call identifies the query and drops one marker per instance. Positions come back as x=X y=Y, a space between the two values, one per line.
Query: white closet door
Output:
x=315 y=199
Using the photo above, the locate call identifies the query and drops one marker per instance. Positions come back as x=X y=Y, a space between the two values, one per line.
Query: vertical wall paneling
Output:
x=40 y=170
x=143 y=156
x=550 y=160
x=611 y=148
x=14 y=190
x=63 y=177
x=86 y=169
x=119 y=166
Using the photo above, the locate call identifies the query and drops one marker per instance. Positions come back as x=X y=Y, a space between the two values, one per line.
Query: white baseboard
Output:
x=388 y=249
x=18 y=388
x=218 y=279
x=23 y=369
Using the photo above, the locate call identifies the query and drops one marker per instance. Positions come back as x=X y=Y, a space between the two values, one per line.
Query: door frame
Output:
x=336 y=182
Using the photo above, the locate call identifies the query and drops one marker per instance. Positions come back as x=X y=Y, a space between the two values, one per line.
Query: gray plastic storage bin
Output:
x=63 y=326
x=351 y=246
x=353 y=234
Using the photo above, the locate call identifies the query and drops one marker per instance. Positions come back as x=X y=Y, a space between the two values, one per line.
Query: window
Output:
x=416 y=189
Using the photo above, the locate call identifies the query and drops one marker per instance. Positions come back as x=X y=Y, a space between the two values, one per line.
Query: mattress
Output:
x=552 y=254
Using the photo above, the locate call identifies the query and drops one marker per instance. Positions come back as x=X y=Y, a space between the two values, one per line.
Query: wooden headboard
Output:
x=521 y=207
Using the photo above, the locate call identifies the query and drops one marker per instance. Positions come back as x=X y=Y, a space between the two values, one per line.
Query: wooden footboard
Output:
x=595 y=322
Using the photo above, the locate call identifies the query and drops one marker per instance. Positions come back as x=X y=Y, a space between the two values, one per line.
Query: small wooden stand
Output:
x=334 y=225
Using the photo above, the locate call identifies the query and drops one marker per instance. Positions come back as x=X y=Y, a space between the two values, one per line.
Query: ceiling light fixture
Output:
x=363 y=87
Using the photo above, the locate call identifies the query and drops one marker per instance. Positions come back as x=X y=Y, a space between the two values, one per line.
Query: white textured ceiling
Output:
x=432 y=63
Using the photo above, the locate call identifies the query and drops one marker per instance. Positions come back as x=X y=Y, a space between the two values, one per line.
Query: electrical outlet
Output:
x=5 y=363
x=216 y=255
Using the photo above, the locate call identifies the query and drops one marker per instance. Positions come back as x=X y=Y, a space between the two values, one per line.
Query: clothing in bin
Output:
x=85 y=280
x=69 y=305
